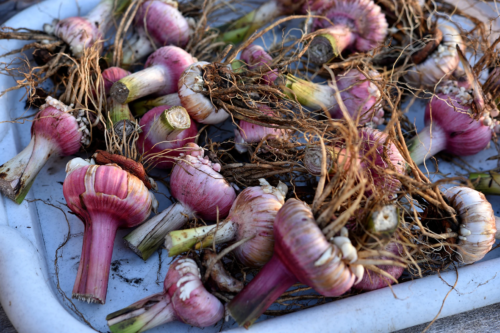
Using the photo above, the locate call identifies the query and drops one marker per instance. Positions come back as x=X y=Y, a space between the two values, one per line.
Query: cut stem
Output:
x=143 y=315
x=139 y=108
x=93 y=272
x=169 y=124
x=330 y=44
x=309 y=94
x=271 y=282
x=430 y=141
x=18 y=174
x=148 y=237
x=180 y=241
x=139 y=84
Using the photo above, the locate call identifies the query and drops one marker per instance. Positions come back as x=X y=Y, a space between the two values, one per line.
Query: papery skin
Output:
x=78 y=32
x=162 y=71
x=477 y=223
x=199 y=107
x=449 y=127
x=53 y=132
x=299 y=243
x=184 y=298
x=198 y=186
x=374 y=281
x=440 y=64
x=148 y=146
x=105 y=198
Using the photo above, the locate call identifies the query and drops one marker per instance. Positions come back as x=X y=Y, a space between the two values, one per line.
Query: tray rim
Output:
x=318 y=315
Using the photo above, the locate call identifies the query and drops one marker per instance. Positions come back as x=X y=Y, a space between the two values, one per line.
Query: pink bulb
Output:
x=105 y=198
x=156 y=143
x=163 y=22
x=111 y=75
x=198 y=186
x=373 y=281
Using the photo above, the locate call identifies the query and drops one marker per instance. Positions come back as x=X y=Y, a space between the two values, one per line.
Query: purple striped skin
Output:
x=374 y=281
x=148 y=146
x=105 y=198
x=111 y=75
x=196 y=184
x=299 y=243
x=163 y=23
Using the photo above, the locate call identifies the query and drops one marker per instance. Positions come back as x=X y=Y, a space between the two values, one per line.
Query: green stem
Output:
x=180 y=241
x=486 y=182
x=139 y=108
x=309 y=94
x=118 y=112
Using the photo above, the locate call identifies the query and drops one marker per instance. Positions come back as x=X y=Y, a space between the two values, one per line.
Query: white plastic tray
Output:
x=31 y=232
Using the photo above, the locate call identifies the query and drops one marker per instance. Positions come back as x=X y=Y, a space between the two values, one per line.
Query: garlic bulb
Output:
x=477 y=222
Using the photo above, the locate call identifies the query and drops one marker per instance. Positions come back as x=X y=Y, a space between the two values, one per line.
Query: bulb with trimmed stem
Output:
x=158 y=22
x=54 y=132
x=478 y=223
x=253 y=213
x=258 y=59
x=241 y=28
x=248 y=133
x=162 y=71
x=301 y=253
x=199 y=189
x=358 y=93
x=441 y=63
x=199 y=106
x=450 y=126
x=118 y=115
x=377 y=154
x=105 y=198
x=358 y=25
x=184 y=298
x=111 y=75
x=165 y=130
x=83 y=32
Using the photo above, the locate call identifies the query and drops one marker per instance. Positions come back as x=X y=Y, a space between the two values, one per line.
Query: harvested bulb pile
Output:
x=280 y=175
